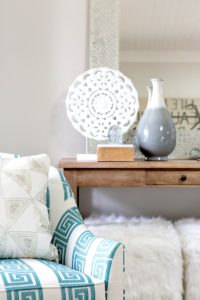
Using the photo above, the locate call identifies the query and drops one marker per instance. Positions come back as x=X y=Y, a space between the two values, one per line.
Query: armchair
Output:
x=89 y=268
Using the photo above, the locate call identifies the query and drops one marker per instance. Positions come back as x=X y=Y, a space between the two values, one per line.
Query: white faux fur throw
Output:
x=153 y=255
x=189 y=231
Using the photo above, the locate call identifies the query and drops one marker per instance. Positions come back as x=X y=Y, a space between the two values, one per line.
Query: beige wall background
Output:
x=43 y=47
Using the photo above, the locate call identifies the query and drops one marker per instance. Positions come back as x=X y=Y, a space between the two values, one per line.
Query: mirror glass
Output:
x=161 y=39
x=157 y=39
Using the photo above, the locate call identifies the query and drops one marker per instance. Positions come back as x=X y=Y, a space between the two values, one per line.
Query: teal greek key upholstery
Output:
x=89 y=268
x=34 y=279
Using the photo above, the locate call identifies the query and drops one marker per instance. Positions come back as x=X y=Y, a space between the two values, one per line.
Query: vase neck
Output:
x=149 y=91
x=157 y=98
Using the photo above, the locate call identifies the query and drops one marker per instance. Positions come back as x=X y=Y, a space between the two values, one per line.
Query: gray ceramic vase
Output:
x=156 y=133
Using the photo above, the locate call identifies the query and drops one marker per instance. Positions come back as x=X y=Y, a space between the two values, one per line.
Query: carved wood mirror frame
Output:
x=104 y=40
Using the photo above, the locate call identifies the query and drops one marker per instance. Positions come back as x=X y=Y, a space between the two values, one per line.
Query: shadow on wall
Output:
x=170 y=203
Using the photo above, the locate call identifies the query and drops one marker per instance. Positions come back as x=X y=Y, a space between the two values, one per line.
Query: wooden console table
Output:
x=139 y=173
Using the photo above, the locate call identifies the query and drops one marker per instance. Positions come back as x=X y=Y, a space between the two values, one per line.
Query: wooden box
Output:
x=115 y=152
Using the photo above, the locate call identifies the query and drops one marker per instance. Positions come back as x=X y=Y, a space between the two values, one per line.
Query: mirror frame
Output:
x=104 y=34
x=104 y=41
x=104 y=51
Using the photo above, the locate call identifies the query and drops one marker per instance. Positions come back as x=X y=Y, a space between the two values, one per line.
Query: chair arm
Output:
x=78 y=247
x=97 y=257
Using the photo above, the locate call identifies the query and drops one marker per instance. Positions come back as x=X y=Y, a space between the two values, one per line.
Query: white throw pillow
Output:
x=24 y=221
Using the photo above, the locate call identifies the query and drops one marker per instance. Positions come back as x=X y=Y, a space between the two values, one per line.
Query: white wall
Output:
x=43 y=47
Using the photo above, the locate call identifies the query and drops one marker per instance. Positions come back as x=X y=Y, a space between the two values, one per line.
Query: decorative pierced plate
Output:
x=99 y=99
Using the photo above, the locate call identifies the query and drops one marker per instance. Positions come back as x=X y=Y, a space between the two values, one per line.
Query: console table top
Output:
x=72 y=163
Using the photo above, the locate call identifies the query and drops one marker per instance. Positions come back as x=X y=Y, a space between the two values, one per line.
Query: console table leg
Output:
x=77 y=196
x=71 y=176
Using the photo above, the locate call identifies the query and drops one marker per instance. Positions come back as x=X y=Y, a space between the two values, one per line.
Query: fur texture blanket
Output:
x=189 y=233
x=154 y=266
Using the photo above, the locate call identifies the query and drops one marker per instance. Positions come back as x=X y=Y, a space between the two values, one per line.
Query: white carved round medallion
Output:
x=102 y=104
x=99 y=99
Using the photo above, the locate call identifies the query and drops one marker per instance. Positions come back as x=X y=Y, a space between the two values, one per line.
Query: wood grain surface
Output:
x=138 y=173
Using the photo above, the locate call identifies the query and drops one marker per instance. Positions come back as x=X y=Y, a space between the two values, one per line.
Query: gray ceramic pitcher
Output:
x=156 y=133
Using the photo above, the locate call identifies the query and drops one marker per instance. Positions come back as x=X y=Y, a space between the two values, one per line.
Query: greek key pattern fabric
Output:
x=68 y=222
x=79 y=248
x=35 y=279
x=102 y=262
x=66 y=187
x=75 y=280
x=95 y=261
x=19 y=279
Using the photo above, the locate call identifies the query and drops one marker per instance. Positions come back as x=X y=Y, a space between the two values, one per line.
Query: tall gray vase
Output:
x=156 y=133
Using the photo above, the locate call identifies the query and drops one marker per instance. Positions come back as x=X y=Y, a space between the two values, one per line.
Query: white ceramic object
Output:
x=149 y=91
x=99 y=99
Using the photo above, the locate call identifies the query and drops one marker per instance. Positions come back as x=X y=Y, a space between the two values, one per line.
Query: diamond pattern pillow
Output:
x=24 y=221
